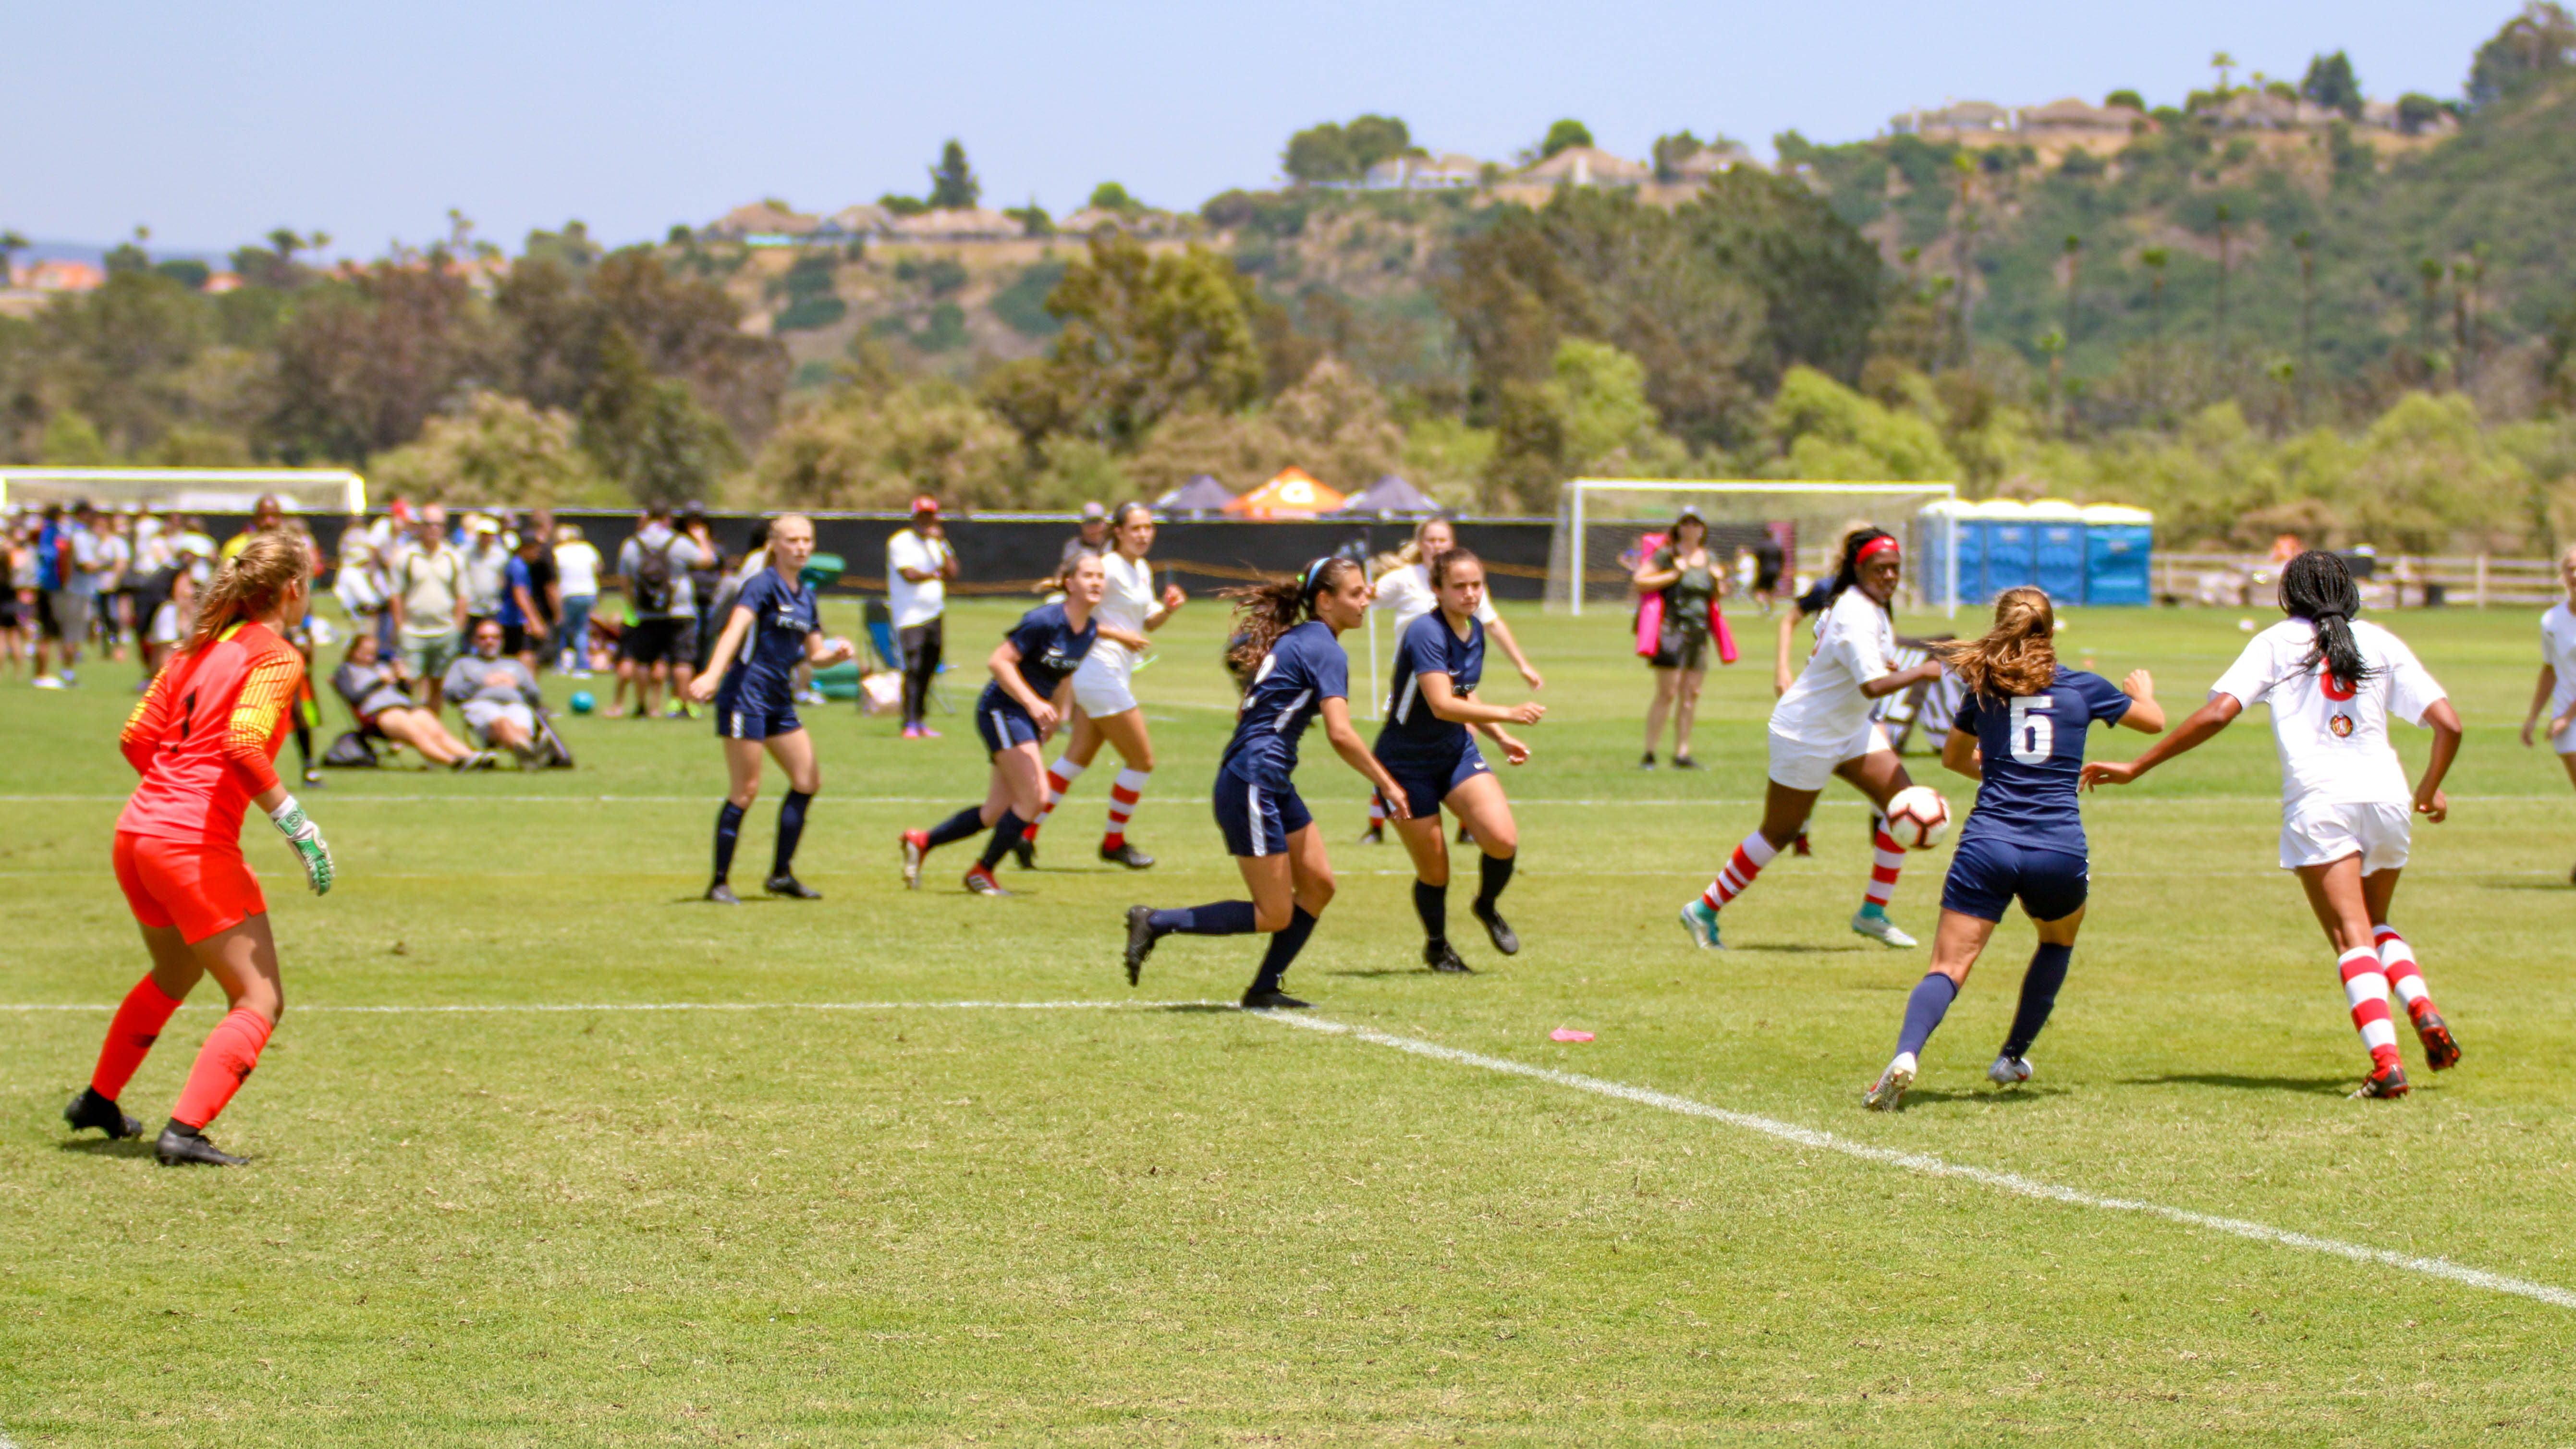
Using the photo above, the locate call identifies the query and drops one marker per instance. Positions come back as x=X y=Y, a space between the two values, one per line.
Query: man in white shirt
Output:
x=428 y=605
x=919 y=564
x=577 y=575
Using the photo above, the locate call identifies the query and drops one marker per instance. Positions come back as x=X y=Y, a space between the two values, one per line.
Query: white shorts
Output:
x=1802 y=766
x=2564 y=742
x=480 y=714
x=1102 y=688
x=2324 y=832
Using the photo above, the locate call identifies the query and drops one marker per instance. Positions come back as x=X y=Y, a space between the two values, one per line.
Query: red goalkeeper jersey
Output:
x=205 y=737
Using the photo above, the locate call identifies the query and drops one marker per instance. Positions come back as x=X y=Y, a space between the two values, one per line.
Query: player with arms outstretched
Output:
x=2333 y=681
x=1425 y=744
x=1821 y=729
x=2019 y=734
x=1288 y=640
x=205 y=741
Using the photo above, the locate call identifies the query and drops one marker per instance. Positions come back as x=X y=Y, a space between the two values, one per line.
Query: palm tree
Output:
x=2074 y=270
x=2430 y=269
x=2223 y=63
x=2465 y=277
x=2154 y=259
x=12 y=242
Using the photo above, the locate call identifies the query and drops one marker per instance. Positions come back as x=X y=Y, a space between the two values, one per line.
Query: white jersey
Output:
x=1124 y=604
x=1855 y=643
x=2558 y=651
x=1408 y=592
x=2334 y=744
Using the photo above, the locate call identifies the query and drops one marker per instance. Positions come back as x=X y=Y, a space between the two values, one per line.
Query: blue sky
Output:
x=214 y=124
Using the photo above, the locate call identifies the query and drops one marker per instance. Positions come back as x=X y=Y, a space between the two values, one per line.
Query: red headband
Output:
x=1884 y=543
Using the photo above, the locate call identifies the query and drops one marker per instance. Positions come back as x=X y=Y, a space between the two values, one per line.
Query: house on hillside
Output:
x=1708 y=160
x=1586 y=166
x=1406 y=173
x=1143 y=223
x=2253 y=110
x=947 y=224
x=853 y=221
x=57 y=274
x=2076 y=120
x=1958 y=121
x=763 y=224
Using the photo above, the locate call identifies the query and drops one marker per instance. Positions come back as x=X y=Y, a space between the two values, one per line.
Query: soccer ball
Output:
x=1918 y=817
x=582 y=703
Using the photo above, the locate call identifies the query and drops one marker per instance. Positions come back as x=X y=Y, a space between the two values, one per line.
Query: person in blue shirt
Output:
x=775 y=625
x=1016 y=714
x=1425 y=744
x=1287 y=644
x=2020 y=735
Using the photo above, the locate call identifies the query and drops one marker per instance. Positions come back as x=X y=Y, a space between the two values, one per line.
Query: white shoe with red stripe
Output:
x=1882 y=930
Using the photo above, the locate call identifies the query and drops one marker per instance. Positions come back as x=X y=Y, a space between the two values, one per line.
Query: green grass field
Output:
x=545 y=1215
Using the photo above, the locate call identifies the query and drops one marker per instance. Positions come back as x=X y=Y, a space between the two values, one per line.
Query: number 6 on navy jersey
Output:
x=2034 y=734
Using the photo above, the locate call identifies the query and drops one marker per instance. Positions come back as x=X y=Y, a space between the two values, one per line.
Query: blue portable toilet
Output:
x=2118 y=545
x=2057 y=549
x=1932 y=534
x=2010 y=541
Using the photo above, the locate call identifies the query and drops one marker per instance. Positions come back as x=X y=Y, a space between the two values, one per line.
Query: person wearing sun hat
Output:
x=919 y=565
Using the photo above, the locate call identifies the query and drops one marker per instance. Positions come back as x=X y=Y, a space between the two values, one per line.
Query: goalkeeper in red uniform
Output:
x=205 y=742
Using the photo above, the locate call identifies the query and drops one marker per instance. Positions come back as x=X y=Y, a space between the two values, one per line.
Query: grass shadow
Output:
x=1375 y=971
x=1801 y=950
x=1201 y=1008
x=2552 y=884
x=2324 y=1086
x=107 y=1146
x=1981 y=1098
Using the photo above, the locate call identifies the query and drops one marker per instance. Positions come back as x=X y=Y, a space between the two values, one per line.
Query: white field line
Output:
x=1931 y=1166
x=522 y=1007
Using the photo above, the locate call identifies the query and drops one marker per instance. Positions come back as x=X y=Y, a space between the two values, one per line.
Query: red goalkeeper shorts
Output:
x=201 y=889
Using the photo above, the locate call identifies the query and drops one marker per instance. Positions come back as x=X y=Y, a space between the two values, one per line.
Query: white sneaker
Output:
x=1888 y=1092
x=1701 y=922
x=2009 y=1071
x=47 y=681
x=1881 y=930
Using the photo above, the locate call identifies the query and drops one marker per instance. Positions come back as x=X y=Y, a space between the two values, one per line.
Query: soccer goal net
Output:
x=193 y=490
x=1604 y=525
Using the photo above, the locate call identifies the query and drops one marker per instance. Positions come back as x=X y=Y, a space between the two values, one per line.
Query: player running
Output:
x=205 y=741
x=1404 y=589
x=1287 y=638
x=1425 y=745
x=2020 y=735
x=2332 y=682
x=1821 y=728
x=2556 y=691
x=1032 y=671
x=775 y=625
x=1104 y=693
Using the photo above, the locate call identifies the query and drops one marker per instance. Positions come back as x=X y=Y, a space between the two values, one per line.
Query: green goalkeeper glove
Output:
x=301 y=833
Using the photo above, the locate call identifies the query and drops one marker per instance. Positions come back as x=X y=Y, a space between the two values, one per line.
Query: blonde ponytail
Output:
x=2017 y=656
x=250 y=583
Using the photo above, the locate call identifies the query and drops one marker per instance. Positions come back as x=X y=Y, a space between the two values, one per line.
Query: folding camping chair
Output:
x=879 y=618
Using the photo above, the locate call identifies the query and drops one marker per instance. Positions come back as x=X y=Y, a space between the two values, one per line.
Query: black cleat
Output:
x=1376 y=835
x=1127 y=855
x=2387 y=1081
x=1648 y=762
x=1441 y=956
x=790 y=887
x=722 y=894
x=1465 y=836
x=1685 y=762
x=1492 y=920
x=2441 y=1053
x=1257 y=999
x=1141 y=937
x=1025 y=851
x=181 y=1145
x=89 y=1109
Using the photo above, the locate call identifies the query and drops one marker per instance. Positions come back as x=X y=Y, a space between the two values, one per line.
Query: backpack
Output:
x=652 y=581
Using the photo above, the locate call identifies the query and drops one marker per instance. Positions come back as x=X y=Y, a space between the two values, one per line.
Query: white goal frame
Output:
x=1581 y=488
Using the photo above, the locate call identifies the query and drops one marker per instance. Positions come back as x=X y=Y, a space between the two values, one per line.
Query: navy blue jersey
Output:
x=783 y=614
x=1050 y=647
x=1301 y=671
x=1429 y=646
x=2032 y=748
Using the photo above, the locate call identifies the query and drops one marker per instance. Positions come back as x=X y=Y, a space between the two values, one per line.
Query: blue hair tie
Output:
x=1315 y=575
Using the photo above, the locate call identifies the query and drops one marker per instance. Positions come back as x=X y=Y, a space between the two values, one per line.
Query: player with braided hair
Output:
x=2333 y=681
x=205 y=741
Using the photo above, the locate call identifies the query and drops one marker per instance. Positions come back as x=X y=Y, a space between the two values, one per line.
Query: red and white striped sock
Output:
x=1887 y=858
x=1124 y=792
x=2397 y=960
x=1741 y=868
x=1060 y=778
x=1377 y=811
x=2365 y=988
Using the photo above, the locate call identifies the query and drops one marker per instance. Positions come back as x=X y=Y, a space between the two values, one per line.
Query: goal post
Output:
x=1600 y=522
x=192 y=490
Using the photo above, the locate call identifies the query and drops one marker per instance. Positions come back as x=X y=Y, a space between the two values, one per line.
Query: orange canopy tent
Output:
x=1293 y=494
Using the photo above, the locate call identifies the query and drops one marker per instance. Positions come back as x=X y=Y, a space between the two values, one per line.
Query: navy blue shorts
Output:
x=1003 y=724
x=1427 y=780
x=1987 y=875
x=1257 y=819
x=736 y=720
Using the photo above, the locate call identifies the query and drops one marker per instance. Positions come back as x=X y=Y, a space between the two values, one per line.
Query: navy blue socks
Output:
x=1224 y=918
x=1283 y=950
x=728 y=831
x=1006 y=833
x=791 y=828
x=1496 y=873
x=957 y=827
x=1924 y=1010
x=2038 y=996
x=1431 y=903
